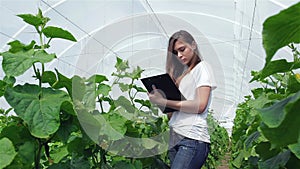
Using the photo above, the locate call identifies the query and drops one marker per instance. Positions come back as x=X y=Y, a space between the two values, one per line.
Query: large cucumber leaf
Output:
x=7 y=152
x=281 y=30
x=15 y=64
x=275 y=162
x=279 y=122
x=38 y=107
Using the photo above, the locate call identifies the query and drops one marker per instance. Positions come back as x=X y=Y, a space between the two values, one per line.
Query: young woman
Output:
x=189 y=137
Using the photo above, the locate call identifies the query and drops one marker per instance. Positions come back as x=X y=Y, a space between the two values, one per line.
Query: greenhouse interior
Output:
x=71 y=94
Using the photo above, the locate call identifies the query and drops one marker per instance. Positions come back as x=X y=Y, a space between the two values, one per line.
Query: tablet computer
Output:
x=164 y=83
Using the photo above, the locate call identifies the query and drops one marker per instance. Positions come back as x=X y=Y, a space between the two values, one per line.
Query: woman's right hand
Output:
x=156 y=97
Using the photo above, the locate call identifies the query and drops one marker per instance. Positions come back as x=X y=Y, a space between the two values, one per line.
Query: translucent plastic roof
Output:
x=228 y=33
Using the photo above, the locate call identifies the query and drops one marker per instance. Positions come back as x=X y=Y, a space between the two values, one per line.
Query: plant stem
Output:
x=41 y=75
x=49 y=41
x=38 y=155
x=35 y=70
x=100 y=102
x=102 y=156
x=41 y=39
x=129 y=93
x=275 y=84
x=42 y=48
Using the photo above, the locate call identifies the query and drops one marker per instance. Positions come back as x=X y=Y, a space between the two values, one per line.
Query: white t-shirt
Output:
x=194 y=125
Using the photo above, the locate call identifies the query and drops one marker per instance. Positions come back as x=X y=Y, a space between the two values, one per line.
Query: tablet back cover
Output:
x=164 y=83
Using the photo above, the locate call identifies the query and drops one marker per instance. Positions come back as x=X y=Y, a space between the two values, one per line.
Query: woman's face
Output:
x=184 y=52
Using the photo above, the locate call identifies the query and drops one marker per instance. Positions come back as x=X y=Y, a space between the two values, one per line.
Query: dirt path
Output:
x=225 y=162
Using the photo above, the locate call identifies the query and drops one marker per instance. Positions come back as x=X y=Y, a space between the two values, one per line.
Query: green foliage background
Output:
x=266 y=127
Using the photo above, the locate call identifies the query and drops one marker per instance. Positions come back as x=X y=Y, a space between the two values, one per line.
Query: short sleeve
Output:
x=204 y=75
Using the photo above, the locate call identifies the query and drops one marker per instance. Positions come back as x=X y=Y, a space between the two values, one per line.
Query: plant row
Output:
x=266 y=132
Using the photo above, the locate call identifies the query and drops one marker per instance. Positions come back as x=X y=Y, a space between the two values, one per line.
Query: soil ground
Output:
x=225 y=162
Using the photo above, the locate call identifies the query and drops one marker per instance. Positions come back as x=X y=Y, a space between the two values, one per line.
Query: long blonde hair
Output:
x=174 y=67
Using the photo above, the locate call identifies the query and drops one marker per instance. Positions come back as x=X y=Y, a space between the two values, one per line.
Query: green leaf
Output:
x=89 y=97
x=80 y=162
x=293 y=84
x=78 y=88
x=15 y=64
x=139 y=89
x=113 y=125
x=289 y=125
x=293 y=162
x=17 y=46
x=103 y=89
x=281 y=30
x=55 y=32
x=17 y=133
x=277 y=66
x=136 y=73
x=122 y=111
x=146 y=103
x=149 y=143
x=252 y=138
x=49 y=77
x=124 y=87
x=264 y=151
x=31 y=19
x=123 y=165
x=7 y=152
x=9 y=80
x=44 y=19
x=125 y=103
x=117 y=122
x=75 y=146
x=63 y=81
x=259 y=102
x=89 y=123
x=83 y=94
x=275 y=114
x=61 y=165
x=66 y=128
x=2 y=88
x=38 y=107
x=138 y=164
x=237 y=162
x=97 y=79
x=275 y=162
x=295 y=148
x=68 y=107
x=121 y=65
x=27 y=151
x=59 y=153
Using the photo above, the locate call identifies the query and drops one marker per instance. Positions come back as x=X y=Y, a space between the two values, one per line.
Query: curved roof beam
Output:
x=278 y=3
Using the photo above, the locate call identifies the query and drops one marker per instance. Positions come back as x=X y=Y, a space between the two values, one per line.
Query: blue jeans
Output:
x=188 y=154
